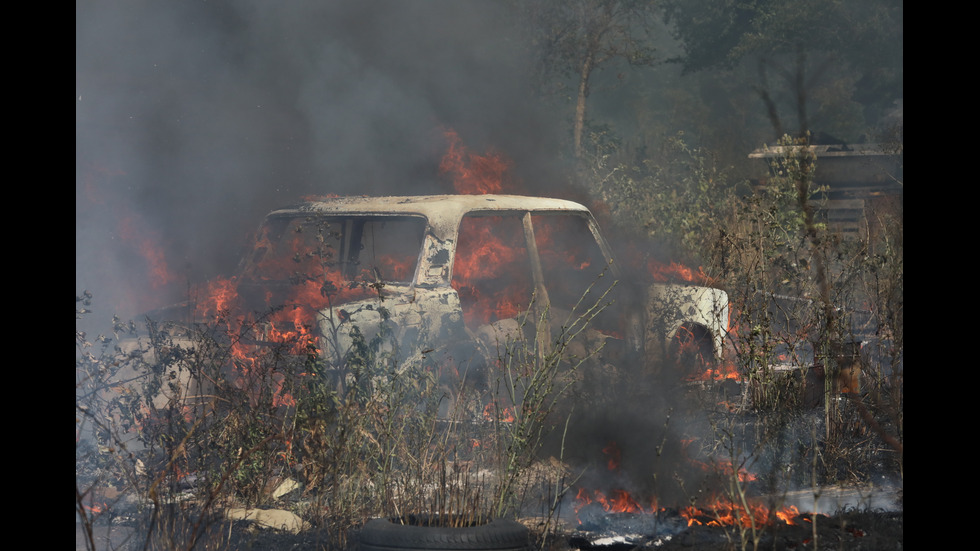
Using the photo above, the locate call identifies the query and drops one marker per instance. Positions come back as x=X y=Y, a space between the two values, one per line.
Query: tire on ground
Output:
x=495 y=535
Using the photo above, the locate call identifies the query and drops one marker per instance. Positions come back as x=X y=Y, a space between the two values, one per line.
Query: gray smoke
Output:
x=194 y=119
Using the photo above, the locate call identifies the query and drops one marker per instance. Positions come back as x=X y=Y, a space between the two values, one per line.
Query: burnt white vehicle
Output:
x=463 y=273
x=454 y=278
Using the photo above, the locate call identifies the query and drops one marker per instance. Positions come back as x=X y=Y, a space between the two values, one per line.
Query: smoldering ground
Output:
x=638 y=433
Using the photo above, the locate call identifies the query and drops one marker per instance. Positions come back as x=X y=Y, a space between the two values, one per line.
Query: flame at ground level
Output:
x=718 y=512
x=618 y=501
x=721 y=512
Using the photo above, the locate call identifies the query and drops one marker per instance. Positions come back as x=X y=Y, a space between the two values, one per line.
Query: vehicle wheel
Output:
x=494 y=535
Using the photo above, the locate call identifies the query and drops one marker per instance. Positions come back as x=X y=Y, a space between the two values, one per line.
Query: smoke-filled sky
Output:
x=194 y=119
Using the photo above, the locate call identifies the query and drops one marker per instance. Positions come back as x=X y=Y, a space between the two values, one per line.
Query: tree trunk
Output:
x=583 y=92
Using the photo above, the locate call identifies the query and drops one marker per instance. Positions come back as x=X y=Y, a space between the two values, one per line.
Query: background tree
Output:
x=836 y=66
x=573 y=39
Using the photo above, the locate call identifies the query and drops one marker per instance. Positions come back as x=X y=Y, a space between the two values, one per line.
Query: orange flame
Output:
x=612 y=450
x=618 y=501
x=622 y=502
x=674 y=271
x=722 y=512
x=721 y=467
x=96 y=508
x=717 y=512
x=159 y=275
x=489 y=272
x=503 y=415
x=473 y=174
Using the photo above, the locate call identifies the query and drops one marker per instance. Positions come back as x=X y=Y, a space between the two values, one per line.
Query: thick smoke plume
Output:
x=195 y=119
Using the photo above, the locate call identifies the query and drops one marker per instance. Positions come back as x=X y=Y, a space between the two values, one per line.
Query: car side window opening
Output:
x=570 y=257
x=491 y=271
x=496 y=272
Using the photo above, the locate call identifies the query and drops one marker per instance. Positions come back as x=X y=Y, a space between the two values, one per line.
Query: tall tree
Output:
x=574 y=38
x=856 y=47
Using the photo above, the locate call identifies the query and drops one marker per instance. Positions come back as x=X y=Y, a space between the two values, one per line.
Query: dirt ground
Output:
x=847 y=531
x=850 y=530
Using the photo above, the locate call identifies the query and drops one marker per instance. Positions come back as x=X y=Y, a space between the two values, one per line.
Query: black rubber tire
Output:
x=495 y=535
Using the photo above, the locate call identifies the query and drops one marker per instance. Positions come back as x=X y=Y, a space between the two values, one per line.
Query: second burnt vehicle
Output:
x=455 y=278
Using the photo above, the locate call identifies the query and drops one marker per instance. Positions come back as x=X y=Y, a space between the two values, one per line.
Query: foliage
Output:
x=815 y=322
x=853 y=52
x=799 y=292
x=534 y=377
x=676 y=197
x=198 y=425
x=739 y=74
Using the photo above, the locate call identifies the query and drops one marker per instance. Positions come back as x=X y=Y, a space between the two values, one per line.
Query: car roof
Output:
x=442 y=211
x=422 y=204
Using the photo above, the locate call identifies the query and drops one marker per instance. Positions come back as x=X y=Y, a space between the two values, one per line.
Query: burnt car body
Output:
x=455 y=278
x=449 y=267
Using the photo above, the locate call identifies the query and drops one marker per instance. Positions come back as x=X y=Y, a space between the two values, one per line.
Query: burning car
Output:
x=451 y=278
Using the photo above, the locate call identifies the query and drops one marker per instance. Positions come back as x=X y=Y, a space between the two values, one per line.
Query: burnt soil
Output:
x=850 y=530
x=854 y=530
x=845 y=530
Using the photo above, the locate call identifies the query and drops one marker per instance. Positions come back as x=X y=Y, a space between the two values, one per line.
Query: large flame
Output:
x=618 y=501
x=272 y=307
x=288 y=329
x=289 y=312
x=491 y=273
x=471 y=173
x=723 y=512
